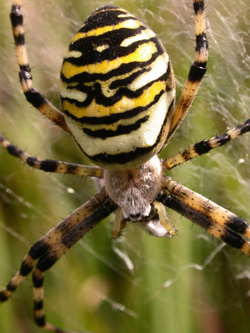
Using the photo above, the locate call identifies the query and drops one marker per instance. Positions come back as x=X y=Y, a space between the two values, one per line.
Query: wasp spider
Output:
x=118 y=94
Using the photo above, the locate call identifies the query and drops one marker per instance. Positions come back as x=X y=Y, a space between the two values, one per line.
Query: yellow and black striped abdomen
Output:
x=117 y=90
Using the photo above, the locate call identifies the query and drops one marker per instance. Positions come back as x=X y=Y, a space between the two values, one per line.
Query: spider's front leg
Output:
x=50 y=248
x=31 y=94
x=197 y=70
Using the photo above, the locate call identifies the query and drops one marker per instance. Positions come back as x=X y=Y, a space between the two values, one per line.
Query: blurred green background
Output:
x=191 y=283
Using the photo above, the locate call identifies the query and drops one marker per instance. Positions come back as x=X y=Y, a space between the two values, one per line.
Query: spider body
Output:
x=117 y=91
x=134 y=190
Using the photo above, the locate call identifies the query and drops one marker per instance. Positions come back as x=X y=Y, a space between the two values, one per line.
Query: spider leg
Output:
x=197 y=70
x=50 y=248
x=51 y=165
x=31 y=94
x=118 y=225
x=205 y=146
x=215 y=219
x=163 y=218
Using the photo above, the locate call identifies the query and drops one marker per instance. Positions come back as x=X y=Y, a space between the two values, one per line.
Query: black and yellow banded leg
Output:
x=39 y=313
x=205 y=146
x=26 y=267
x=215 y=219
x=31 y=94
x=53 y=245
x=51 y=165
x=51 y=239
x=197 y=70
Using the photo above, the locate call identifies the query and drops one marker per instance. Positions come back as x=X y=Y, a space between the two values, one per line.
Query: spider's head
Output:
x=134 y=190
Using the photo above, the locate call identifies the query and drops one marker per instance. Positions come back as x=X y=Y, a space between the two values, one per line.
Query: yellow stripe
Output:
x=125 y=104
x=129 y=24
x=142 y=53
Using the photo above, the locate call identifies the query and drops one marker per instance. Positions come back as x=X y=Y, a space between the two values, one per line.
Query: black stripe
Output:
x=124 y=158
x=111 y=38
x=237 y=224
x=112 y=118
x=47 y=261
x=40 y=321
x=95 y=93
x=31 y=161
x=49 y=165
x=19 y=40
x=3 y=296
x=201 y=42
x=121 y=129
x=37 y=282
x=38 y=305
x=244 y=128
x=197 y=71
x=15 y=16
x=14 y=151
x=10 y=287
x=39 y=248
x=204 y=146
x=35 y=98
x=128 y=80
x=71 y=168
x=25 y=268
x=87 y=46
x=222 y=139
x=122 y=69
x=201 y=148
x=232 y=239
x=103 y=17
x=198 y=7
x=24 y=73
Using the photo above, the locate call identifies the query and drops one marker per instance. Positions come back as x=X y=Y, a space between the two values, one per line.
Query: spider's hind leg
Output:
x=215 y=219
x=26 y=268
x=53 y=245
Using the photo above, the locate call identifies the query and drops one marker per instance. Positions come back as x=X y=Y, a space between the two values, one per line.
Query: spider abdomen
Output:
x=117 y=90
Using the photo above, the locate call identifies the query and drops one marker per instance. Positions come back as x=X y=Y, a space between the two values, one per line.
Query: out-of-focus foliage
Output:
x=190 y=283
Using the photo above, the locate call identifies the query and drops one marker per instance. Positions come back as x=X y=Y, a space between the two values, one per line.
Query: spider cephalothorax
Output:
x=134 y=190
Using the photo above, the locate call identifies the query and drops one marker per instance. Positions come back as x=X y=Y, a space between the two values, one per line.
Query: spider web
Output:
x=190 y=283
